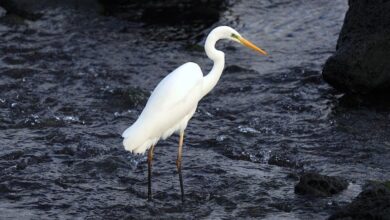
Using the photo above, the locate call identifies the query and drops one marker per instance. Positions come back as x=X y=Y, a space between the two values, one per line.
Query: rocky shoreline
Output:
x=372 y=203
x=361 y=64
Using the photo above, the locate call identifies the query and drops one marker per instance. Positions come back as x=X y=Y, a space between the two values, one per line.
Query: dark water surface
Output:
x=64 y=101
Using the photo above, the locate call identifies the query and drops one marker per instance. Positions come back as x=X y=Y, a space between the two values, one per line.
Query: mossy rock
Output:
x=127 y=97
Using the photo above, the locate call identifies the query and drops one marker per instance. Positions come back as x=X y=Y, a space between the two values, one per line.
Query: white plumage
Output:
x=174 y=101
x=168 y=109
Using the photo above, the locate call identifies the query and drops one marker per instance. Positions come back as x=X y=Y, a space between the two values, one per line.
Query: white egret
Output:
x=174 y=101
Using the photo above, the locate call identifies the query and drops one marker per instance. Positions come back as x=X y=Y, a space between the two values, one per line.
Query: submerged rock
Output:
x=361 y=62
x=128 y=97
x=283 y=160
x=319 y=185
x=372 y=203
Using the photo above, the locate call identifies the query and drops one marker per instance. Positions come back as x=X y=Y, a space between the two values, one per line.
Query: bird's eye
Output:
x=234 y=36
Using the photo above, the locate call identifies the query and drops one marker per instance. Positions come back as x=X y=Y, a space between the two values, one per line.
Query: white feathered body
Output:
x=174 y=100
x=169 y=108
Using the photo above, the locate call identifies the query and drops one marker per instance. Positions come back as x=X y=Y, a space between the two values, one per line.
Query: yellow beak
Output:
x=250 y=45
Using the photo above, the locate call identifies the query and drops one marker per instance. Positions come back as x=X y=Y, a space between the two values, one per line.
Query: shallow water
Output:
x=65 y=80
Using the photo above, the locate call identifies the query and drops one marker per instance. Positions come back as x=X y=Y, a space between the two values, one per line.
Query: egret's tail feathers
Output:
x=136 y=140
x=131 y=145
x=127 y=132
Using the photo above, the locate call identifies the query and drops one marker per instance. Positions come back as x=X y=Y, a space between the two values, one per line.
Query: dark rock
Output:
x=234 y=69
x=4 y=188
x=254 y=212
x=372 y=203
x=129 y=97
x=166 y=12
x=282 y=206
x=361 y=62
x=223 y=201
x=292 y=176
x=195 y=13
x=85 y=150
x=379 y=101
x=21 y=165
x=12 y=20
x=232 y=151
x=136 y=96
x=283 y=160
x=238 y=69
x=13 y=155
x=66 y=151
x=169 y=20
x=32 y=9
x=32 y=160
x=318 y=185
x=61 y=182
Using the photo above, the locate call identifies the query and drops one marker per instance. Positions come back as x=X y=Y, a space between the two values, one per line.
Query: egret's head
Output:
x=229 y=33
x=225 y=32
x=235 y=36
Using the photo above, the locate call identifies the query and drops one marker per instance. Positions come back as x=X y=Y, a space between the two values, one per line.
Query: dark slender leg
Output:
x=150 y=158
x=178 y=164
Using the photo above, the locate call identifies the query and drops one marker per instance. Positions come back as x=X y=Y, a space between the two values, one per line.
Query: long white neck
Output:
x=211 y=79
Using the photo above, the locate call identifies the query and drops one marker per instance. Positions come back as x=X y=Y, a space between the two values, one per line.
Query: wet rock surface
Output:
x=372 y=203
x=360 y=64
x=71 y=81
x=314 y=184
